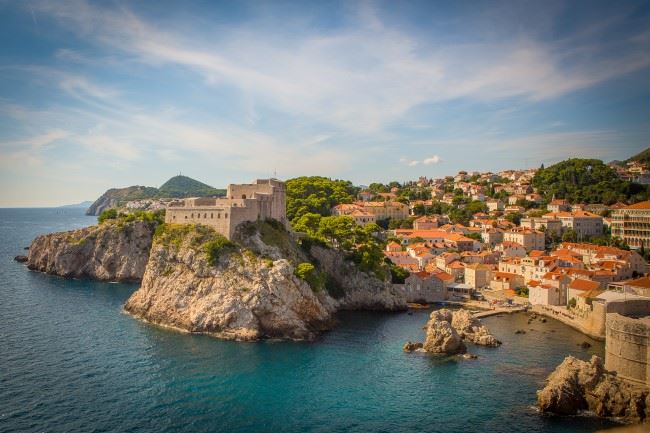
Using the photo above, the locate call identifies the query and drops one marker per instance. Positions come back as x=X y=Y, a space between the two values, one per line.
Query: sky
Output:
x=102 y=94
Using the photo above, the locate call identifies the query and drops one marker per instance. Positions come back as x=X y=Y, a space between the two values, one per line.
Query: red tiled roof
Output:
x=580 y=284
x=644 y=205
x=640 y=282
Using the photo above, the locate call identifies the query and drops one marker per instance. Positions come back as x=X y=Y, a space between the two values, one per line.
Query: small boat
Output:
x=416 y=306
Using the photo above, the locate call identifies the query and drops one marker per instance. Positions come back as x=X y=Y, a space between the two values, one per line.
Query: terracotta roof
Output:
x=443 y=276
x=505 y=275
x=592 y=293
x=574 y=214
x=639 y=282
x=580 y=284
x=645 y=205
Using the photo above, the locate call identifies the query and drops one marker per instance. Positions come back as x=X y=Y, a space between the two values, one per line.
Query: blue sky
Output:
x=96 y=95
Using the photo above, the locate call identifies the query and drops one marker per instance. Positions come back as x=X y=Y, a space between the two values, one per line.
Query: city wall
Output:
x=627 y=347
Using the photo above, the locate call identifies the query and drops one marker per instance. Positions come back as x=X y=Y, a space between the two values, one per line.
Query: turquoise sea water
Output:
x=71 y=361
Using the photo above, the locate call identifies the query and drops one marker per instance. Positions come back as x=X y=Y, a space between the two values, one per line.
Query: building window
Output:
x=243 y=196
x=205 y=215
x=192 y=215
x=225 y=215
x=211 y=215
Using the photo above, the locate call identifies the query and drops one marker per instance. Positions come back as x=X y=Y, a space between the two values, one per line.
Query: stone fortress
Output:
x=265 y=198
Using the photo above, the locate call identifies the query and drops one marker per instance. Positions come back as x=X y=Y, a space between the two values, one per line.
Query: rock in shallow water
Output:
x=447 y=330
x=577 y=385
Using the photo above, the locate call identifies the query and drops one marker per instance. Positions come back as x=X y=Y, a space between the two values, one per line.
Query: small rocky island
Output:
x=448 y=330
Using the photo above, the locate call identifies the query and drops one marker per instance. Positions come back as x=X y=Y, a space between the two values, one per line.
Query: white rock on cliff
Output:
x=104 y=252
x=239 y=298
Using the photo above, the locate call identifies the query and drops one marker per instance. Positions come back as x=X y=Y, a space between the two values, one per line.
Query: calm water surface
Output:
x=71 y=361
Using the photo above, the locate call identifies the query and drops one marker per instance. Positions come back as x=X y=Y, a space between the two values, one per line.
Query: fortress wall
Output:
x=217 y=218
x=264 y=199
x=630 y=307
x=627 y=348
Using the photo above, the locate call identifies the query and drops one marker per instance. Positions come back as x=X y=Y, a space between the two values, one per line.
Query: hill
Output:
x=586 y=181
x=176 y=187
x=643 y=157
x=183 y=186
x=82 y=205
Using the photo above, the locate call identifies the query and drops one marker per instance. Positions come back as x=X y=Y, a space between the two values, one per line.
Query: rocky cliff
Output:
x=577 y=385
x=199 y=282
x=116 y=197
x=176 y=187
x=112 y=251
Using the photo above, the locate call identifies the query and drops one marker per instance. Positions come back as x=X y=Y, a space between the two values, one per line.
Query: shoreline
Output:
x=551 y=314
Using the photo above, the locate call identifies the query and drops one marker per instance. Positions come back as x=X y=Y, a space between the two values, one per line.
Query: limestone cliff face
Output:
x=577 y=385
x=250 y=292
x=359 y=290
x=109 y=251
x=242 y=296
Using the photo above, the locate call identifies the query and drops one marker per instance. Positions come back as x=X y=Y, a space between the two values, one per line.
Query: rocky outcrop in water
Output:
x=112 y=251
x=448 y=330
x=577 y=386
x=470 y=329
x=441 y=337
x=250 y=290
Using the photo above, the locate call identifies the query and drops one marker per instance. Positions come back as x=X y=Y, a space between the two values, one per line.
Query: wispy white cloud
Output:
x=435 y=159
x=361 y=78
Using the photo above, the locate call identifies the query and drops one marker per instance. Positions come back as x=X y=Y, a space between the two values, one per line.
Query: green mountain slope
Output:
x=183 y=186
x=176 y=187
x=586 y=181
x=643 y=157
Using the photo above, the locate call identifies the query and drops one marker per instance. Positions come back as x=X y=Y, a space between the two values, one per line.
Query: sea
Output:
x=72 y=361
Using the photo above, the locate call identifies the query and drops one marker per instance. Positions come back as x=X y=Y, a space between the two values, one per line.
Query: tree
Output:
x=316 y=194
x=570 y=235
x=514 y=217
x=586 y=181
x=398 y=275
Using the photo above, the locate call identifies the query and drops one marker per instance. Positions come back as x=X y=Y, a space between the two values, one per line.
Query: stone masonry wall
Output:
x=627 y=347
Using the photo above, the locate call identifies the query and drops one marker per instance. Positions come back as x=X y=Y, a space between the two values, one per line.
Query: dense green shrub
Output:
x=214 y=248
x=586 y=181
x=398 y=275
x=108 y=214
x=308 y=272
x=316 y=194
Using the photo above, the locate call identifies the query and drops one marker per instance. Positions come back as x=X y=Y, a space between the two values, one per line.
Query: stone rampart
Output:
x=627 y=347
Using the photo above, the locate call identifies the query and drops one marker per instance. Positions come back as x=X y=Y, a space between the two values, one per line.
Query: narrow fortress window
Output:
x=225 y=215
x=219 y=215
x=192 y=216
x=243 y=196
x=211 y=215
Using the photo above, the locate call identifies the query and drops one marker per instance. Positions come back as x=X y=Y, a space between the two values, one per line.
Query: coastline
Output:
x=554 y=314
